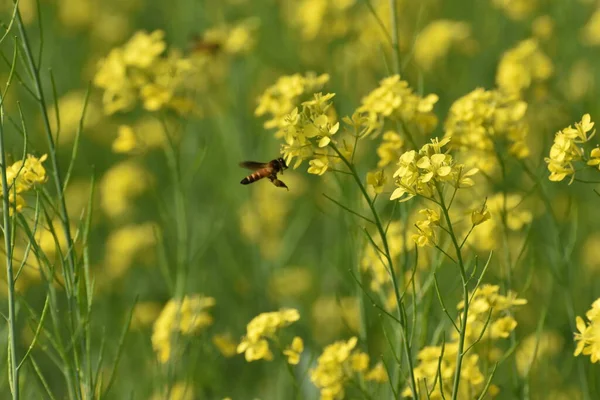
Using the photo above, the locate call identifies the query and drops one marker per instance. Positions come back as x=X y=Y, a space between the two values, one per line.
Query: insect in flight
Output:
x=265 y=170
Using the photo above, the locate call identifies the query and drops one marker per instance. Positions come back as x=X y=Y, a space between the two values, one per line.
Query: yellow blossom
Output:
x=186 y=317
x=294 y=350
x=120 y=185
x=587 y=338
x=225 y=343
x=395 y=100
x=590 y=33
x=565 y=151
x=377 y=374
x=262 y=327
x=480 y=120
x=436 y=39
x=21 y=177
x=376 y=180
x=522 y=66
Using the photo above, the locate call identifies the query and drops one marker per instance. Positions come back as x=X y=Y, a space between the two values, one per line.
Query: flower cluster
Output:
x=421 y=172
x=566 y=151
x=139 y=71
x=280 y=99
x=436 y=39
x=184 y=317
x=265 y=326
x=489 y=314
x=395 y=100
x=426 y=235
x=21 y=177
x=522 y=66
x=308 y=132
x=435 y=372
x=339 y=363
x=488 y=318
x=588 y=339
x=484 y=119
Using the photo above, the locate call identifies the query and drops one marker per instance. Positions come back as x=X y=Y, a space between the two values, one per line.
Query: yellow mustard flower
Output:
x=186 y=317
x=480 y=120
x=225 y=344
x=516 y=9
x=565 y=151
x=395 y=100
x=376 y=180
x=389 y=149
x=435 y=41
x=420 y=172
x=590 y=33
x=121 y=185
x=255 y=345
x=523 y=65
x=21 y=177
x=587 y=338
x=294 y=350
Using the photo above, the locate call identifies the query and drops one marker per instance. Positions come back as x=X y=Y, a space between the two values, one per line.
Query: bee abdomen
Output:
x=252 y=178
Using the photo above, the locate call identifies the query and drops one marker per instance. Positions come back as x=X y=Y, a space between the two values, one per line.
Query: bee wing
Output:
x=253 y=165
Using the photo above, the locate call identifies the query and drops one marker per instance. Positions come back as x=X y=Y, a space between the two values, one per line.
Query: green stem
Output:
x=463 y=277
x=395 y=37
x=386 y=248
x=12 y=329
x=180 y=217
x=70 y=275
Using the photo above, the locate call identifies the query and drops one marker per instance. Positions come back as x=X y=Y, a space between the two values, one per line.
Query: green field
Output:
x=438 y=238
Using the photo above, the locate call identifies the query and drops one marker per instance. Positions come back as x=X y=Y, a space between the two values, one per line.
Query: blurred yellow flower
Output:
x=290 y=282
x=144 y=314
x=255 y=345
x=70 y=111
x=480 y=120
x=580 y=80
x=435 y=41
x=124 y=246
x=280 y=99
x=179 y=391
x=516 y=9
x=523 y=65
x=543 y=27
x=225 y=343
x=377 y=374
x=536 y=349
x=294 y=350
x=389 y=151
x=332 y=315
x=121 y=185
x=395 y=100
x=590 y=33
x=186 y=317
x=126 y=140
x=340 y=363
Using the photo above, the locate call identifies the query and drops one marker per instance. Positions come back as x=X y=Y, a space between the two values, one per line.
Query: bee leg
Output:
x=277 y=182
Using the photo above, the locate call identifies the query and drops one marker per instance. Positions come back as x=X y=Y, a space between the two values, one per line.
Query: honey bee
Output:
x=265 y=170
